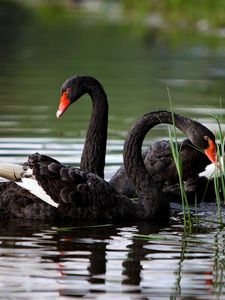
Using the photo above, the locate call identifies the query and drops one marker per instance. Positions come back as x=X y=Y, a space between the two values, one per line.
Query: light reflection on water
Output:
x=109 y=261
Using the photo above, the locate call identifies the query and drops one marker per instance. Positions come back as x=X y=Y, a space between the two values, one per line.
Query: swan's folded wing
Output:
x=63 y=184
x=34 y=188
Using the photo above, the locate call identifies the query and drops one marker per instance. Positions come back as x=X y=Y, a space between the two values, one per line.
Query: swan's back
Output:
x=16 y=202
x=159 y=158
x=80 y=194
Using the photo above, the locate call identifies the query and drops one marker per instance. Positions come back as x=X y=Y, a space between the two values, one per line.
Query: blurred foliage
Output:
x=154 y=21
x=186 y=11
x=173 y=12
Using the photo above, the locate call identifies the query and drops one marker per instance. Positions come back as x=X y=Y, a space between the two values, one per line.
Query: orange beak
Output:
x=210 y=152
x=63 y=105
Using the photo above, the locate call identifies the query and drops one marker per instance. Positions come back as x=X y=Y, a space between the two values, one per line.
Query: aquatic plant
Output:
x=219 y=176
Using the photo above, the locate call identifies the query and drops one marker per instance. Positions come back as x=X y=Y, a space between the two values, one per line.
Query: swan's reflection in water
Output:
x=105 y=261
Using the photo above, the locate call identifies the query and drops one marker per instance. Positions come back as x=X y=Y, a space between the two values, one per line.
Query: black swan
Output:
x=157 y=156
x=93 y=155
x=79 y=194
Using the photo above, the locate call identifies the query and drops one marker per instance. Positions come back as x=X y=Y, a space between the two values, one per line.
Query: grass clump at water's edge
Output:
x=218 y=175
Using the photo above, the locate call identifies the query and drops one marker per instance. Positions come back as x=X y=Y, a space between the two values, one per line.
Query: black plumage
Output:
x=158 y=157
x=82 y=194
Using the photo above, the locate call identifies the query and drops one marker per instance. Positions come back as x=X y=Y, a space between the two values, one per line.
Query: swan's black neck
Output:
x=93 y=156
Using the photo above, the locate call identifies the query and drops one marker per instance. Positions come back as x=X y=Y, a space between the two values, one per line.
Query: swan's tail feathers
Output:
x=11 y=171
x=34 y=188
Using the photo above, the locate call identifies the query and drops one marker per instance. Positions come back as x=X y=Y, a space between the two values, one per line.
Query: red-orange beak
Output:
x=63 y=105
x=210 y=152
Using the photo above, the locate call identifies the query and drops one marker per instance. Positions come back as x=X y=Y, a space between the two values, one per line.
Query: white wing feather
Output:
x=34 y=188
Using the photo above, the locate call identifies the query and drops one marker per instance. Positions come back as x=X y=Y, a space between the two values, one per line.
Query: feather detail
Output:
x=34 y=188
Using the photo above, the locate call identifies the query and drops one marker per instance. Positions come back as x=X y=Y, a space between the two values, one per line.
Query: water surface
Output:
x=44 y=260
x=104 y=261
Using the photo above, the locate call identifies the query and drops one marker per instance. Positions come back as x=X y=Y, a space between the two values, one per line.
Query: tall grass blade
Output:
x=178 y=163
x=219 y=176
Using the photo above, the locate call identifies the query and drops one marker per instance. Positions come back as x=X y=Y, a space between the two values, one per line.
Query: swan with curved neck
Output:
x=199 y=135
x=159 y=158
x=80 y=194
x=93 y=155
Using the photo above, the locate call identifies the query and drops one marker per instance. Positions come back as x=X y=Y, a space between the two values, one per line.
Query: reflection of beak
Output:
x=210 y=152
x=63 y=105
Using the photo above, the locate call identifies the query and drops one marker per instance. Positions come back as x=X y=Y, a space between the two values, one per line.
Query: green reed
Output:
x=178 y=163
x=219 y=176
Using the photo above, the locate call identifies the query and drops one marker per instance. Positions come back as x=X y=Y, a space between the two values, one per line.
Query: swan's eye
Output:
x=68 y=90
x=206 y=138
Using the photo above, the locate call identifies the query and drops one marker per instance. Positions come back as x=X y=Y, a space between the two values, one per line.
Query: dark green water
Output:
x=38 y=54
x=104 y=261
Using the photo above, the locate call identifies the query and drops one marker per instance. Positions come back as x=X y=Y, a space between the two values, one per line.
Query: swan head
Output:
x=72 y=89
x=204 y=139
